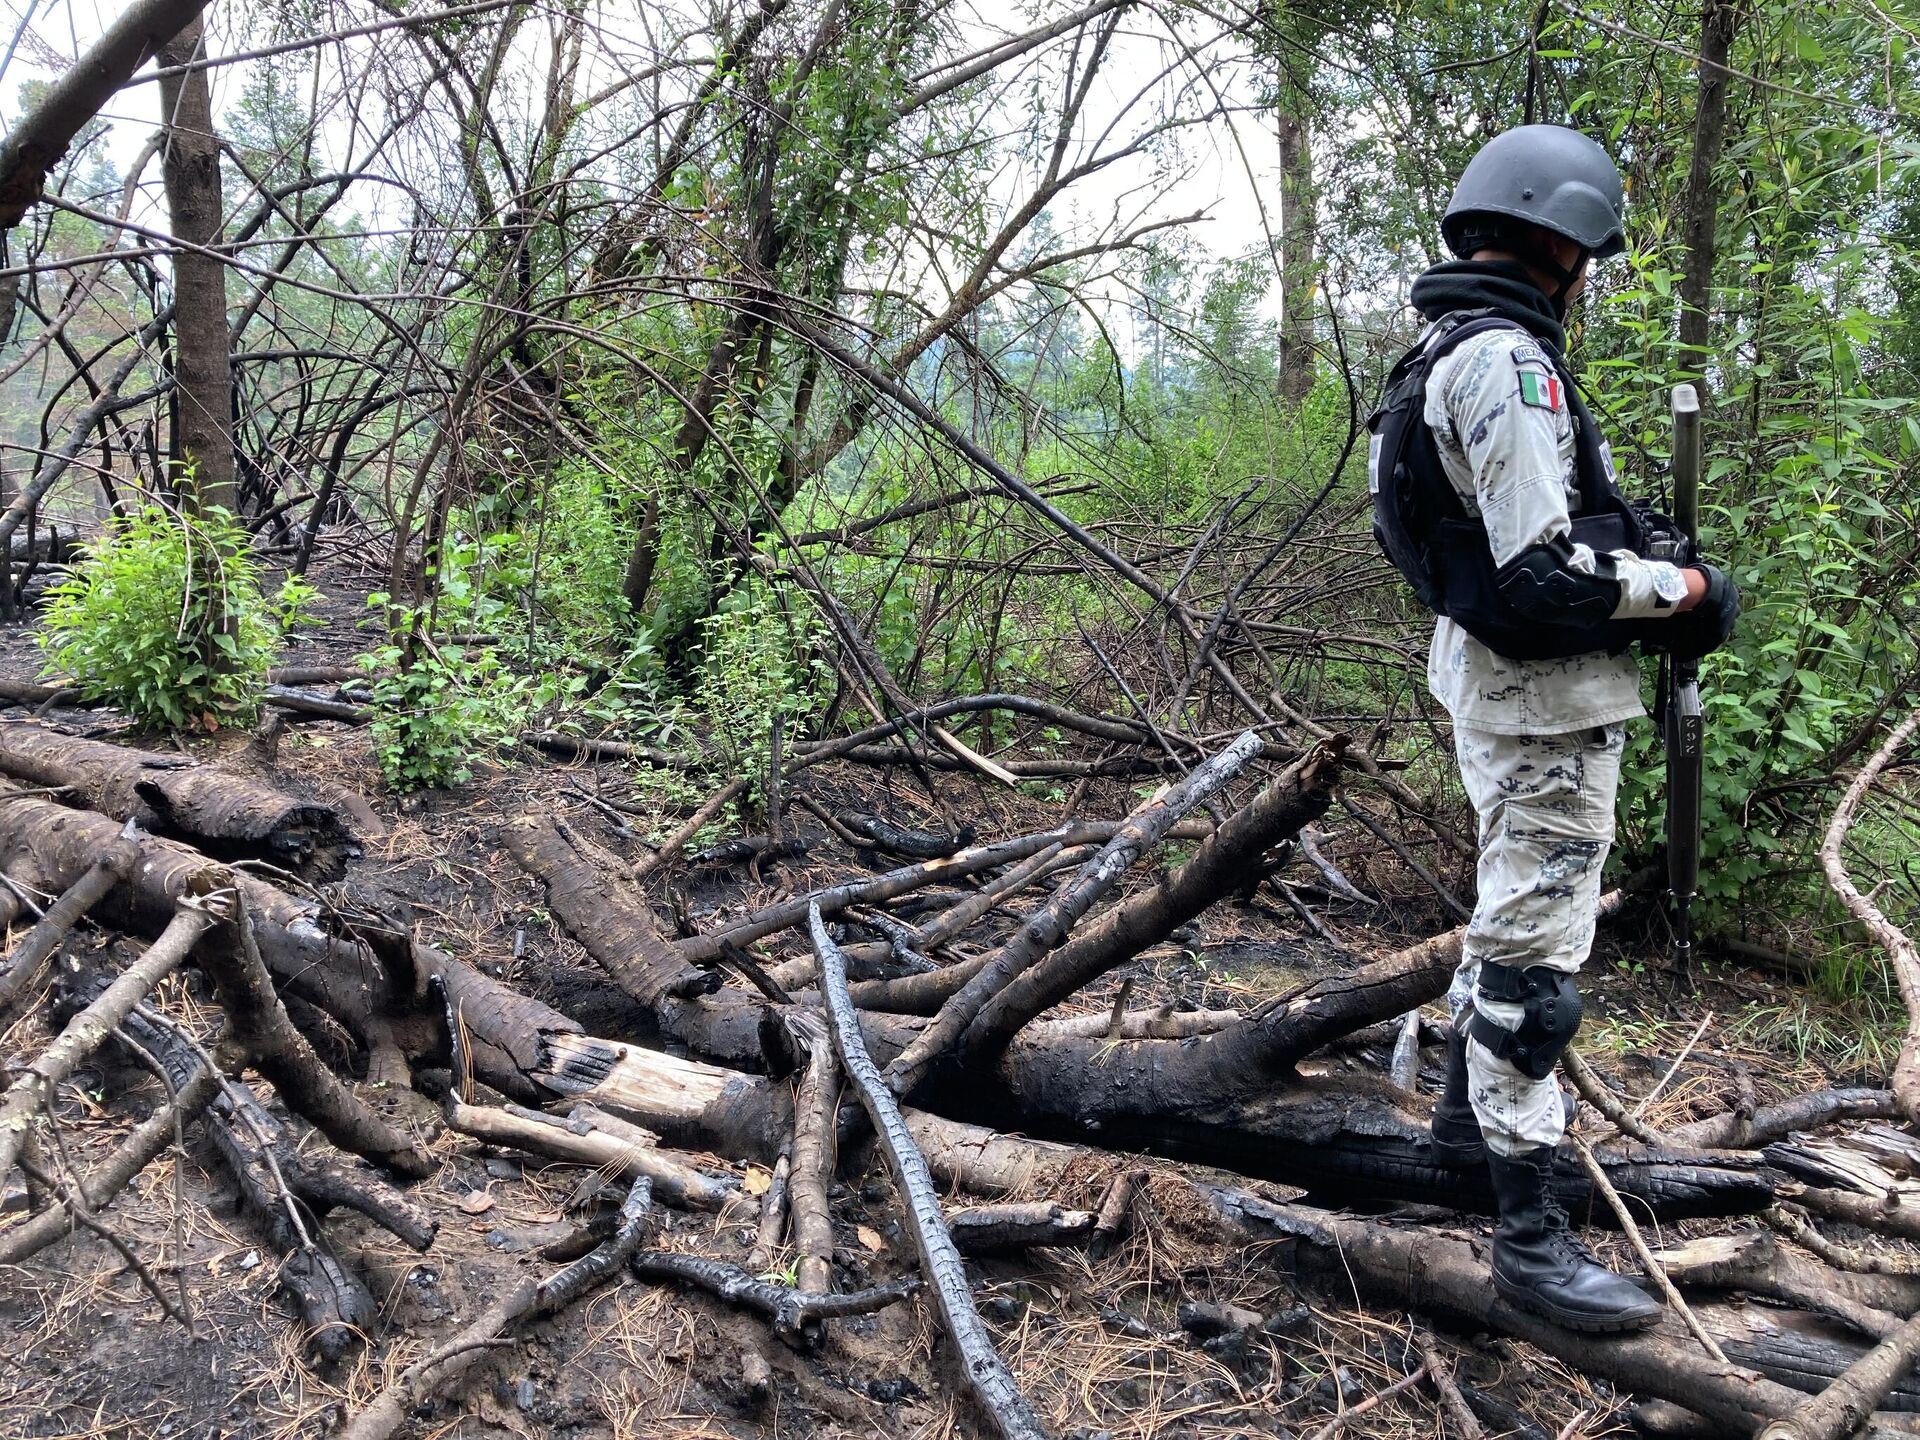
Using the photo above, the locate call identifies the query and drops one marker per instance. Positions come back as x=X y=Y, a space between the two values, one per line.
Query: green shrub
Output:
x=430 y=717
x=761 y=658
x=165 y=617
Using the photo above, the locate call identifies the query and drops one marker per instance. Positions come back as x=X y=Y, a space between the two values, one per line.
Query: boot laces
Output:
x=1564 y=1238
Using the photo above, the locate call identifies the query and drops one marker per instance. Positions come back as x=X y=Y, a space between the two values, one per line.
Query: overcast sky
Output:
x=1226 y=168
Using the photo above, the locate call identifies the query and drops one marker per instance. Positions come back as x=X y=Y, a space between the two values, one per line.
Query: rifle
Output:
x=1682 y=728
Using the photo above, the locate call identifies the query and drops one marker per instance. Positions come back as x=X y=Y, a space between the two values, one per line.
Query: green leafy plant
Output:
x=432 y=714
x=165 y=616
x=762 y=659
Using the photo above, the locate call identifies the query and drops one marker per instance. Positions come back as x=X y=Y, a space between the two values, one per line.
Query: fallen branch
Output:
x=1044 y=930
x=89 y=1029
x=1594 y=1091
x=105 y=1182
x=674 y=1181
x=1900 y=949
x=1798 y=1112
x=1846 y=1404
x=258 y=1024
x=1648 y=1262
x=1373 y=1402
x=1019 y=1225
x=984 y=1373
x=1461 y=1420
x=454 y=1356
x=28 y=961
x=1759 y=1265
x=794 y=1313
x=815 y=1104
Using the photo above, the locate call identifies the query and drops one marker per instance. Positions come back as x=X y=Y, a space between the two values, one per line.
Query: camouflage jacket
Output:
x=1505 y=435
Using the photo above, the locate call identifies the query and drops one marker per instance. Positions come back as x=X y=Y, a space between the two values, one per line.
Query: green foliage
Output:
x=763 y=657
x=432 y=714
x=165 y=617
x=437 y=706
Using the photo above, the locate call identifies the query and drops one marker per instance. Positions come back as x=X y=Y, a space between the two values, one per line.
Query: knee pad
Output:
x=1550 y=1014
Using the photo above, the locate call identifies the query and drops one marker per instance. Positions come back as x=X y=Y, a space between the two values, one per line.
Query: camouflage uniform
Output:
x=1539 y=742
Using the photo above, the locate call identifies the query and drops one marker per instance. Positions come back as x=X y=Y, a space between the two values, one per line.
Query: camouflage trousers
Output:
x=1545 y=804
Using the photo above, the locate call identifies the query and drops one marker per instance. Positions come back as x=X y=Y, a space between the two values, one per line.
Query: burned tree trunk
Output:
x=228 y=816
x=203 y=366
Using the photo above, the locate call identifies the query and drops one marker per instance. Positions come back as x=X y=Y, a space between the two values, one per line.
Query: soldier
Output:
x=1495 y=495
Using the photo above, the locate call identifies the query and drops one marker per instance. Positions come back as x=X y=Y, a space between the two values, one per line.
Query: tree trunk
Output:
x=203 y=394
x=1296 y=257
x=1718 y=23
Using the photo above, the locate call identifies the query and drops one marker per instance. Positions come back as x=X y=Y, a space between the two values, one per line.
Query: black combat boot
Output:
x=1456 y=1133
x=1540 y=1266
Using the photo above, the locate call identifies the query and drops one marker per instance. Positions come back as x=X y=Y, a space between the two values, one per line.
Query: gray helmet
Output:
x=1545 y=175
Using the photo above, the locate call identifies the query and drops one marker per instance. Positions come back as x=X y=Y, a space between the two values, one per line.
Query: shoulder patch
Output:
x=1540 y=391
x=1528 y=352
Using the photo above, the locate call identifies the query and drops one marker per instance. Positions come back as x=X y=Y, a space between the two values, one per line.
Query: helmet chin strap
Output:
x=1566 y=275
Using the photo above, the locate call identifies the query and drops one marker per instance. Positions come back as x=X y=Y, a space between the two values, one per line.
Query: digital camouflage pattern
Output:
x=1512 y=465
x=1545 y=804
x=1539 y=742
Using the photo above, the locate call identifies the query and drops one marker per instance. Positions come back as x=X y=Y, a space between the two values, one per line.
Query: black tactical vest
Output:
x=1443 y=552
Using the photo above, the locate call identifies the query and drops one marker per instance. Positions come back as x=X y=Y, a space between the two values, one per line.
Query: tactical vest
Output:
x=1443 y=552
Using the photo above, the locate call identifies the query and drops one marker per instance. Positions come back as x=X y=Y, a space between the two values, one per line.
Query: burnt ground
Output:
x=85 y=1351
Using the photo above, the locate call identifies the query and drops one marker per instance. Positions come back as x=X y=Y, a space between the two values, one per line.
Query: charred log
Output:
x=227 y=816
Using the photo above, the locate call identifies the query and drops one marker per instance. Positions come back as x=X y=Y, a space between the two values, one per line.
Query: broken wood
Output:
x=1888 y=1214
x=1023 y=1225
x=1901 y=953
x=675 y=1181
x=693 y=825
x=88 y=1030
x=815 y=1104
x=1758 y=1264
x=1445 y=1276
x=228 y=816
x=985 y=1375
x=29 y=959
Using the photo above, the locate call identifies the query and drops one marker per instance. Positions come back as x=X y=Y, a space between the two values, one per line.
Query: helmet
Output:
x=1545 y=175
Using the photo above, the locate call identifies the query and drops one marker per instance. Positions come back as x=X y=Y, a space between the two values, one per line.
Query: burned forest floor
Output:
x=1175 y=1326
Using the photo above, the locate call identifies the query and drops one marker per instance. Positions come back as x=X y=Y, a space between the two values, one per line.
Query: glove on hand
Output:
x=1707 y=626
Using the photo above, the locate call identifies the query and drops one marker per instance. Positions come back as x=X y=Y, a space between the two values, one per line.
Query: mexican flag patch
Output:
x=1540 y=390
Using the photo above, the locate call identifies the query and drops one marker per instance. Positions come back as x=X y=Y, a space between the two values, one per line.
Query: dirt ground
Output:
x=1098 y=1345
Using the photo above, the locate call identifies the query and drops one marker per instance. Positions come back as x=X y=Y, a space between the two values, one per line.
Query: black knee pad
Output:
x=1550 y=1014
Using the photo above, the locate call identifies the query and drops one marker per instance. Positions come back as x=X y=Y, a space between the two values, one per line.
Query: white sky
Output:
x=1226 y=168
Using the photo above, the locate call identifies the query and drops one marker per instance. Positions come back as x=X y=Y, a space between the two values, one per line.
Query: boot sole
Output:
x=1580 y=1324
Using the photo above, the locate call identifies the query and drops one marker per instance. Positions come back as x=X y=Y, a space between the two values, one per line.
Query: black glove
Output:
x=1707 y=626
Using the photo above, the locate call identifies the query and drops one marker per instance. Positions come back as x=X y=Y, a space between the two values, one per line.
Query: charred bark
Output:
x=203 y=364
x=230 y=817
